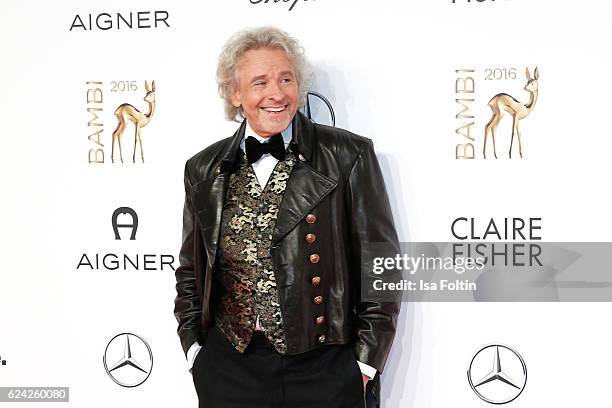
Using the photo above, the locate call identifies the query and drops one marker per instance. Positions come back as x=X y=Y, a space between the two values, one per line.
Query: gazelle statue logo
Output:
x=126 y=112
x=504 y=102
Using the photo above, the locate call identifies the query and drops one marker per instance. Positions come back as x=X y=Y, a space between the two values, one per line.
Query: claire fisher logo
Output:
x=497 y=374
x=128 y=360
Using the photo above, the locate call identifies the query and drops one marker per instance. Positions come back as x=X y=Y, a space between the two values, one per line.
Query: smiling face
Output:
x=267 y=89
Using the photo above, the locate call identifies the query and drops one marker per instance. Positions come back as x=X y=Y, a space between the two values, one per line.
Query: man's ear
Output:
x=235 y=95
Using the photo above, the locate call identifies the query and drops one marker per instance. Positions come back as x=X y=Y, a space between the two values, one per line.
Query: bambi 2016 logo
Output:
x=127 y=118
x=476 y=130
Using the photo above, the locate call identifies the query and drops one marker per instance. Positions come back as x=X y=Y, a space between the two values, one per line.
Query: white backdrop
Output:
x=389 y=70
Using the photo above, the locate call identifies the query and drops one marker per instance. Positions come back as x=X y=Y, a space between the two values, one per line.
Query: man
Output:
x=275 y=220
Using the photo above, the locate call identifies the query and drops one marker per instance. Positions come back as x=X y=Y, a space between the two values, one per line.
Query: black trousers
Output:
x=326 y=377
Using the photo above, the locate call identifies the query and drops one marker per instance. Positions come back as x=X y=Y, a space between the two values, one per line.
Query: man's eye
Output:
x=260 y=83
x=286 y=80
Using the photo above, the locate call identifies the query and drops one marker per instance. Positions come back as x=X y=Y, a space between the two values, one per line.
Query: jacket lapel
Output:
x=306 y=186
x=305 y=189
x=208 y=195
x=208 y=200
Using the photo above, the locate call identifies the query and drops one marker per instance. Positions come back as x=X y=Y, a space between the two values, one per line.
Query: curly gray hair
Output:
x=253 y=39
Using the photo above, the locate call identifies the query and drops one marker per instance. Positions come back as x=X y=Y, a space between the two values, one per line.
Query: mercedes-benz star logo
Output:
x=319 y=109
x=130 y=358
x=493 y=382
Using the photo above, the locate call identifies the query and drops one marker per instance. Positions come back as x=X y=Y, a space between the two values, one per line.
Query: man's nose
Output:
x=276 y=93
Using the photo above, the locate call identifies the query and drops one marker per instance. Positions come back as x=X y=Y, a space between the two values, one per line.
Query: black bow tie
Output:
x=275 y=146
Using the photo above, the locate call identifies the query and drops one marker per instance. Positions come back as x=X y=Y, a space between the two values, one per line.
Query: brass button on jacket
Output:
x=316 y=280
x=322 y=338
x=314 y=258
x=310 y=238
x=339 y=190
x=320 y=320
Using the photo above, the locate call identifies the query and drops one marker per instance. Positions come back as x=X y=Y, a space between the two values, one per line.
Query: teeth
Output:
x=274 y=109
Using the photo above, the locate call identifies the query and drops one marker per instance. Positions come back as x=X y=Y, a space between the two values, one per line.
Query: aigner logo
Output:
x=118 y=21
x=128 y=359
x=497 y=374
x=133 y=226
x=499 y=104
x=125 y=114
x=116 y=259
x=318 y=109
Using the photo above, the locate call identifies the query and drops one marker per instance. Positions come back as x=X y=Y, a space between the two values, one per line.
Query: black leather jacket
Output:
x=337 y=180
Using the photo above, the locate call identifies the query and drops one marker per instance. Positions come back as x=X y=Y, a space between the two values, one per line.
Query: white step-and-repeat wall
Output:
x=414 y=76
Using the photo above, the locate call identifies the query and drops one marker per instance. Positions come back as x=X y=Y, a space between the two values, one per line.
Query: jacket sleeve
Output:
x=371 y=222
x=187 y=308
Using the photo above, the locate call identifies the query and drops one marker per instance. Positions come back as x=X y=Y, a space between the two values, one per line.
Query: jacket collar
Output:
x=302 y=140
x=300 y=197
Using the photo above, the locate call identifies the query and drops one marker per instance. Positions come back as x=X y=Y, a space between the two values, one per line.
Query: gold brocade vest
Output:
x=245 y=285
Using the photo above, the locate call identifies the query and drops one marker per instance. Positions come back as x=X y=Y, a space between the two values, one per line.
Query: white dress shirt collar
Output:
x=248 y=131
